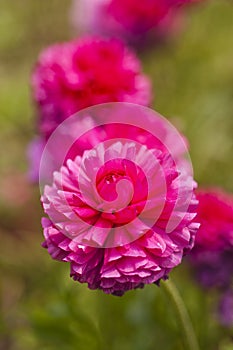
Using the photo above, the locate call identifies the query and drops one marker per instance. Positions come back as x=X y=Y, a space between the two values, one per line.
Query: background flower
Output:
x=134 y=21
x=215 y=212
x=212 y=256
x=138 y=16
x=71 y=76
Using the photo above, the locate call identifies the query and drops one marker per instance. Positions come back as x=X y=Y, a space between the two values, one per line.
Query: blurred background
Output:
x=41 y=308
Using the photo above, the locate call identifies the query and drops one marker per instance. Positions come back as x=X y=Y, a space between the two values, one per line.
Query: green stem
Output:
x=182 y=315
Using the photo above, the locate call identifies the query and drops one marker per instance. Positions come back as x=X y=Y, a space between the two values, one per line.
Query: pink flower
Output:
x=138 y=15
x=134 y=21
x=212 y=255
x=109 y=211
x=215 y=213
x=71 y=76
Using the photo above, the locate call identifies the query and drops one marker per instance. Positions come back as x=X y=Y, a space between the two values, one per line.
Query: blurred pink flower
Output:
x=134 y=21
x=215 y=213
x=108 y=214
x=71 y=76
x=212 y=256
x=138 y=16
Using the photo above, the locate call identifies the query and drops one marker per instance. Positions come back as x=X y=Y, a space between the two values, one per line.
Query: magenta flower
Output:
x=212 y=255
x=215 y=212
x=138 y=15
x=109 y=211
x=134 y=21
x=71 y=76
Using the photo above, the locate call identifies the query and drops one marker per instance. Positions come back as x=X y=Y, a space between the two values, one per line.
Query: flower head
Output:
x=71 y=76
x=212 y=255
x=138 y=15
x=134 y=21
x=109 y=210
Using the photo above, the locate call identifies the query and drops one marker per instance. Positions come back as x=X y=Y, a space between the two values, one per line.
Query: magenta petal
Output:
x=111 y=248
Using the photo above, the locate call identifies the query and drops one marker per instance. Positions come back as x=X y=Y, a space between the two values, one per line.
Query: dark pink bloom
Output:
x=71 y=76
x=215 y=212
x=108 y=214
x=138 y=16
x=212 y=256
x=134 y=21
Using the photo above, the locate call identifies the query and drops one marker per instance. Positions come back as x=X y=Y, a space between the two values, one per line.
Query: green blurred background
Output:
x=41 y=308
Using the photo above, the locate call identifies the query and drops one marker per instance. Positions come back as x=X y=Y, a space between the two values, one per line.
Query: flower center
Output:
x=112 y=177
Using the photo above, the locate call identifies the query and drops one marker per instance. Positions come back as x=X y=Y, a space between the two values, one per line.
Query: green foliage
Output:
x=63 y=323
